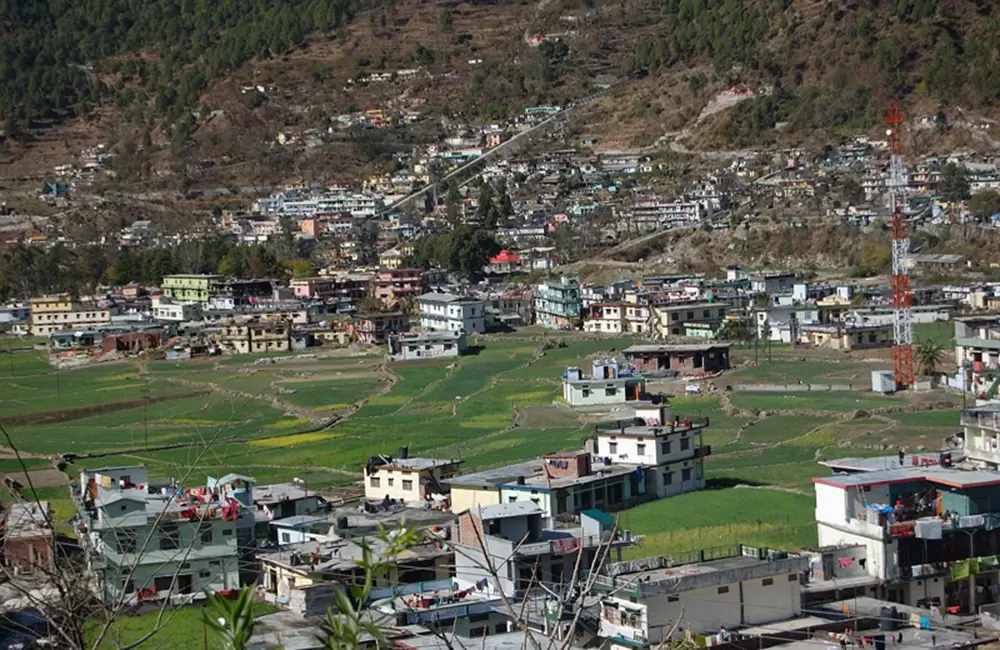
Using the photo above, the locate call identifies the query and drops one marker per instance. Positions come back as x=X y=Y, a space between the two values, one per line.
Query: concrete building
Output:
x=618 y=468
x=28 y=539
x=348 y=288
x=15 y=317
x=683 y=358
x=393 y=286
x=927 y=530
x=981 y=435
x=604 y=387
x=669 y=319
x=513 y=538
x=446 y=311
x=427 y=345
x=301 y=577
x=376 y=328
x=642 y=599
x=168 y=310
x=617 y=318
x=846 y=336
x=190 y=287
x=772 y=283
x=557 y=302
x=148 y=543
x=413 y=481
x=977 y=350
x=258 y=338
x=51 y=314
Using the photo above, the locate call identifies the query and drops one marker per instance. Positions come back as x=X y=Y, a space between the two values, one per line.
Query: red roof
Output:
x=505 y=257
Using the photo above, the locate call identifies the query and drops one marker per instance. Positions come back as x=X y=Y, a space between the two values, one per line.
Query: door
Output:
x=184 y=582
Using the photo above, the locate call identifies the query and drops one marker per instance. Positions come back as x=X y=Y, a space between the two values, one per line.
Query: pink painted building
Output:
x=394 y=285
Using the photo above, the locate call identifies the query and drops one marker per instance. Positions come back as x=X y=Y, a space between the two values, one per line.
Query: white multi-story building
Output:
x=152 y=543
x=445 y=311
x=919 y=522
x=165 y=309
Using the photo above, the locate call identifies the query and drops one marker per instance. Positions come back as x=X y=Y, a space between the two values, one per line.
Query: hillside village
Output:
x=499 y=325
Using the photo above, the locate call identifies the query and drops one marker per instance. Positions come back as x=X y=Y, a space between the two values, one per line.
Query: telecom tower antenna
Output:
x=901 y=296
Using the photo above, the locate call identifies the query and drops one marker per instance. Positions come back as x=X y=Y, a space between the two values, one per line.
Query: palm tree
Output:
x=231 y=620
x=928 y=355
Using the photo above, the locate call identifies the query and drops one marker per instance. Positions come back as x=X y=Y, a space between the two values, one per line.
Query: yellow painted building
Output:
x=57 y=313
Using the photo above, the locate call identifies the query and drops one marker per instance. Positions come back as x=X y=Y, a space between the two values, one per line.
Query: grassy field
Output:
x=488 y=408
x=720 y=516
x=178 y=628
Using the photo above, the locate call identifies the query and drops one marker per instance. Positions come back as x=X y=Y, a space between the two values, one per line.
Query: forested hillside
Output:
x=58 y=57
x=832 y=62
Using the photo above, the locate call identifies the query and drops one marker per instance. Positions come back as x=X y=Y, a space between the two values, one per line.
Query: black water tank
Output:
x=945 y=459
x=342 y=522
x=404 y=453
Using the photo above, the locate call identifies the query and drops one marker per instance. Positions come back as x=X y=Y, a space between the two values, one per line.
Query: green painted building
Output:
x=190 y=287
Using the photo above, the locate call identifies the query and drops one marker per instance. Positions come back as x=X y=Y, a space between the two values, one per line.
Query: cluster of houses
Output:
x=419 y=312
x=907 y=546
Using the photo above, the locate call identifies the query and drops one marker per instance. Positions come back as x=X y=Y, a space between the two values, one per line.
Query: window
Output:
x=767 y=582
x=501 y=628
x=286 y=538
x=206 y=533
x=375 y=481
x=686 y=474
x=511 y=499
x=204 y=573
x=125 y=540
x=690 y=315
x=586 y=393
x=668 y=478
x=391 y=481
x=613 y=448
x=215 y=562
x=707 y=313
x=170 y=537
x=685 y=444
x=723 y=590
x=673 y=599
x=674 y=316
x=407 y=484
x=610 y=392
x=665 y=447
x=227 y=532
x=129 y=586
x=640 y=449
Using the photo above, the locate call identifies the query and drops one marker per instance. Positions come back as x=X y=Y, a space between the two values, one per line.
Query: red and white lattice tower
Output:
x=901 y=295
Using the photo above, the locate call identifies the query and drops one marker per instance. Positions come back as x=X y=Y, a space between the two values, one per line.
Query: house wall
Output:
x=648 y=450
x=596 y=392
x=881 y=555
x=465 y=497
x=397 y=483
x=28 y=555
x=539 y=496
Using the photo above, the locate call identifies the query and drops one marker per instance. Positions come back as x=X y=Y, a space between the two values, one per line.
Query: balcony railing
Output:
x=989 y=421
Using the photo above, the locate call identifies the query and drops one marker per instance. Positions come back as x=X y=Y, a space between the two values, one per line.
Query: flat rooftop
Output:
x=957 y=478
x=882 y=463
x=598 y=473
x=712 y=566
x=418 y=464
x=679 y=347
x=498 y=475
x=504 y=510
